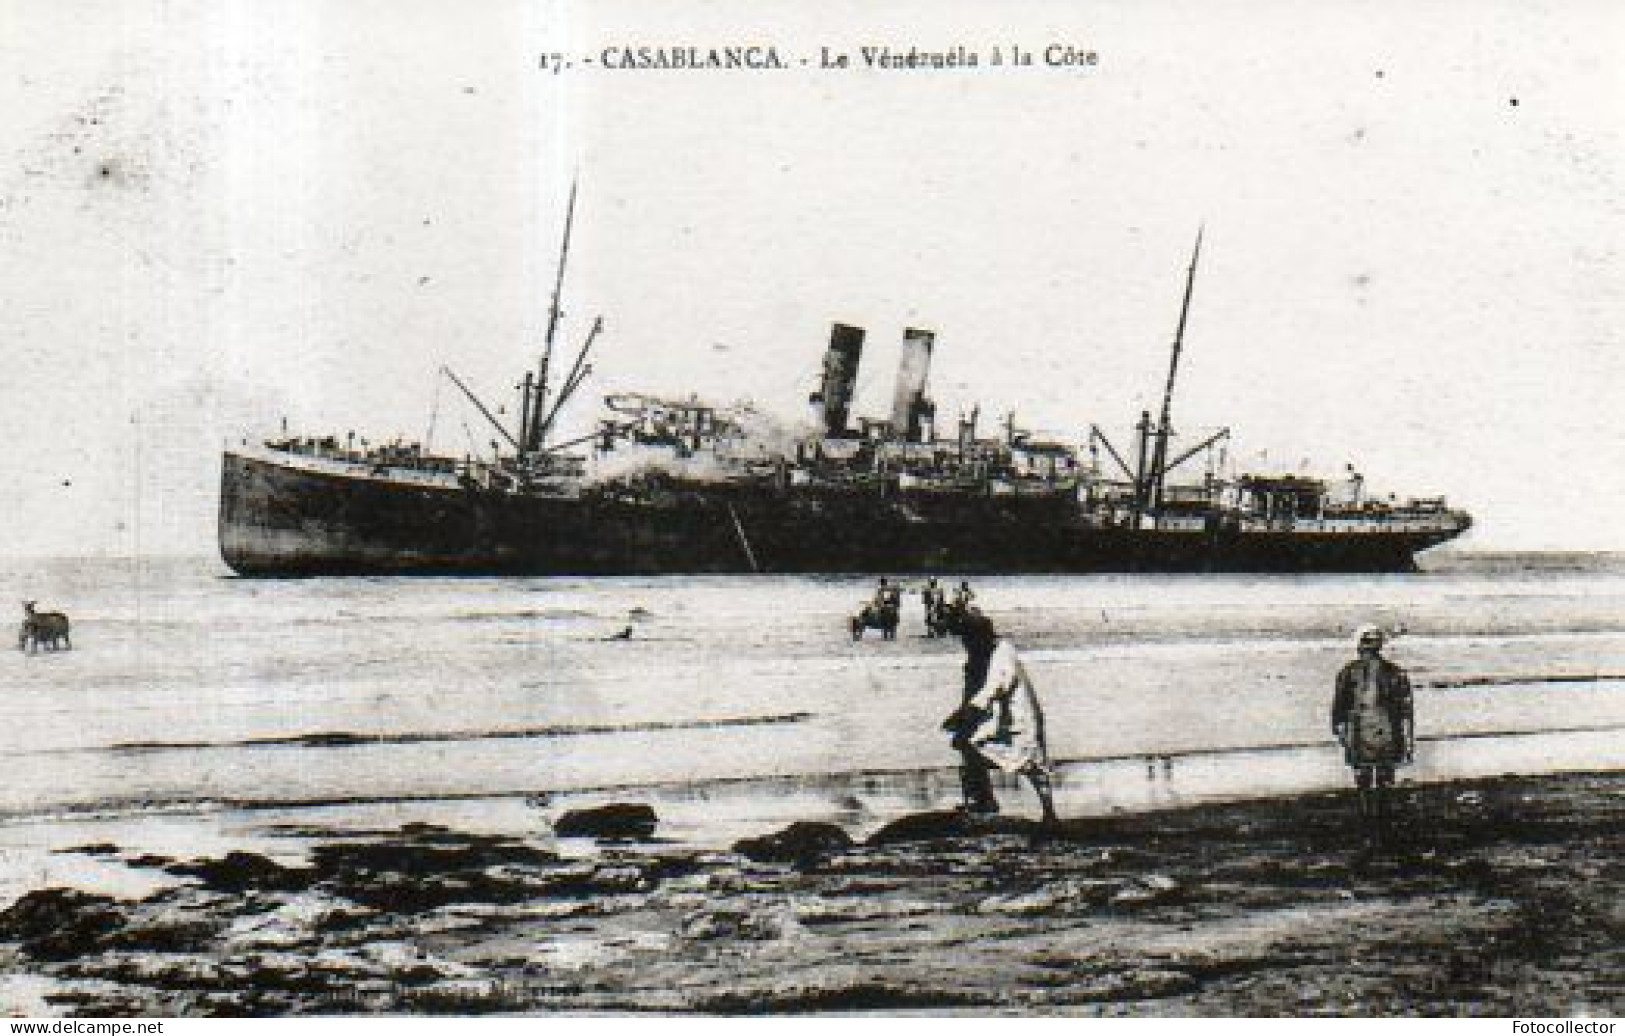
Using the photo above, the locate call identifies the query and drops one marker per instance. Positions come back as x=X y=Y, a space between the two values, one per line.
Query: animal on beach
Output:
x=876 y=617
x=42 y=629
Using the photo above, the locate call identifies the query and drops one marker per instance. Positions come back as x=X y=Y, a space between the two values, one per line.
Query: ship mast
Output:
x=1159 y=460
x=572 y=381
x=535 y=403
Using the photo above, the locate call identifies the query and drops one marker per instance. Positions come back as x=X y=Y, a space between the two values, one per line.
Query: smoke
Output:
x=746 y=440
x=630 y=461
x=767 y=433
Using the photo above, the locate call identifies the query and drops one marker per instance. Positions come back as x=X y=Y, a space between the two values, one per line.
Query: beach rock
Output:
x=823 y=911
x=1131 y=985
x=860 y=994
x=597 y=880
x=187 y=971
x=1158 y=882
x=440 y=853
x=342 y=920
x=855 y=883
x=1056 y=897
x=467 y=997
x=727 y=880
x=618 y=820
x=393 y=892
x=928 y=827
x=1146 y=890
x=921 y=827
x=399 y=961
x=290 y=925
x=295 y=973
x=165 y=935
x=243 y=872
x=665 y=868
x=60 y=923
x=431 y=869
x=760 y=924
x=802 y=844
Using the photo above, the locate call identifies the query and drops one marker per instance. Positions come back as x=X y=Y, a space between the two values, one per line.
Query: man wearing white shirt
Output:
x=1002 y=723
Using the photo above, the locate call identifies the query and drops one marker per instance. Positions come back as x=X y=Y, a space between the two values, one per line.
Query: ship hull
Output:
x=278 y=519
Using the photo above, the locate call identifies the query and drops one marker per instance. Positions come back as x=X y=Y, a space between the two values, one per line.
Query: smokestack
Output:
x=909 y=407
x=834 y=396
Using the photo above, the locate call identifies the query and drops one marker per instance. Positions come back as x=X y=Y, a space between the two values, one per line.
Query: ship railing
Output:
x=1351 y=526
x=1181 y=523
x=358 y=466
x=418 y=476
x=409 y=456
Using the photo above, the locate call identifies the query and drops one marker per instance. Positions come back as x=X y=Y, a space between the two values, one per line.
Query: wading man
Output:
x=1373 y=717
x=1000 y=723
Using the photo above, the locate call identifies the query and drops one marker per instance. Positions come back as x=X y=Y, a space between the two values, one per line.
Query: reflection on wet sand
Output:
x=717 y=812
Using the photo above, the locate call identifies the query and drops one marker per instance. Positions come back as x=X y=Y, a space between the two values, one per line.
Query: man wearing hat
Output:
x=1373 y=718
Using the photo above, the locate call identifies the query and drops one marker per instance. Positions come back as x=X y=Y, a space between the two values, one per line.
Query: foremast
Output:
x=533 y=456
x=540 y=402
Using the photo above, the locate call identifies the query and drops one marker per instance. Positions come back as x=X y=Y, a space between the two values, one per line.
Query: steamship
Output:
x=683 y=486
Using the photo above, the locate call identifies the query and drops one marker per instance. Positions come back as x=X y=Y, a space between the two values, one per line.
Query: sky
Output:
x=217 y=214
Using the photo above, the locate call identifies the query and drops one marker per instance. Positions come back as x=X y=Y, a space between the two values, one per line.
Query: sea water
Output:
x=198 y=711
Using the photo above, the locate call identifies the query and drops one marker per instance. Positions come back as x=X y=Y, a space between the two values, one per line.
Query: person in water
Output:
x=1000 y=723
x=1374 y=719
x=627 y=631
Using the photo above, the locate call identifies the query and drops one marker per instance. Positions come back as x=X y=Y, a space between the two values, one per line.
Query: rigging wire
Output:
x=434 y=413
x=803 y=380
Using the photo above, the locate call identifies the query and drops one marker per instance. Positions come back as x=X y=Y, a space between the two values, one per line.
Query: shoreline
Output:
x=1498 y=896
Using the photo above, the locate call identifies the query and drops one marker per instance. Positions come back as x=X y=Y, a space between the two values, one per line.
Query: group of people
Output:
x=999 y=723
x=933 y=597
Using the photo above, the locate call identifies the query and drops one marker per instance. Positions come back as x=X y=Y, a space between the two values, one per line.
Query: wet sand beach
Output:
x=294 y=797
x=1496 y=896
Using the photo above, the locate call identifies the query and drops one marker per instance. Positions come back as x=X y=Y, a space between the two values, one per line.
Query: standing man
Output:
x=888 y=596
x=931 y=600
x=894 y=597
x=1000 y=724
x=1374 y=719
x=964 y=596
x=882 y=593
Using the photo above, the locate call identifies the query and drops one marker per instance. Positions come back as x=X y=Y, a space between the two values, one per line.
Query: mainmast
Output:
x=535 y=402
x=1159 y=461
